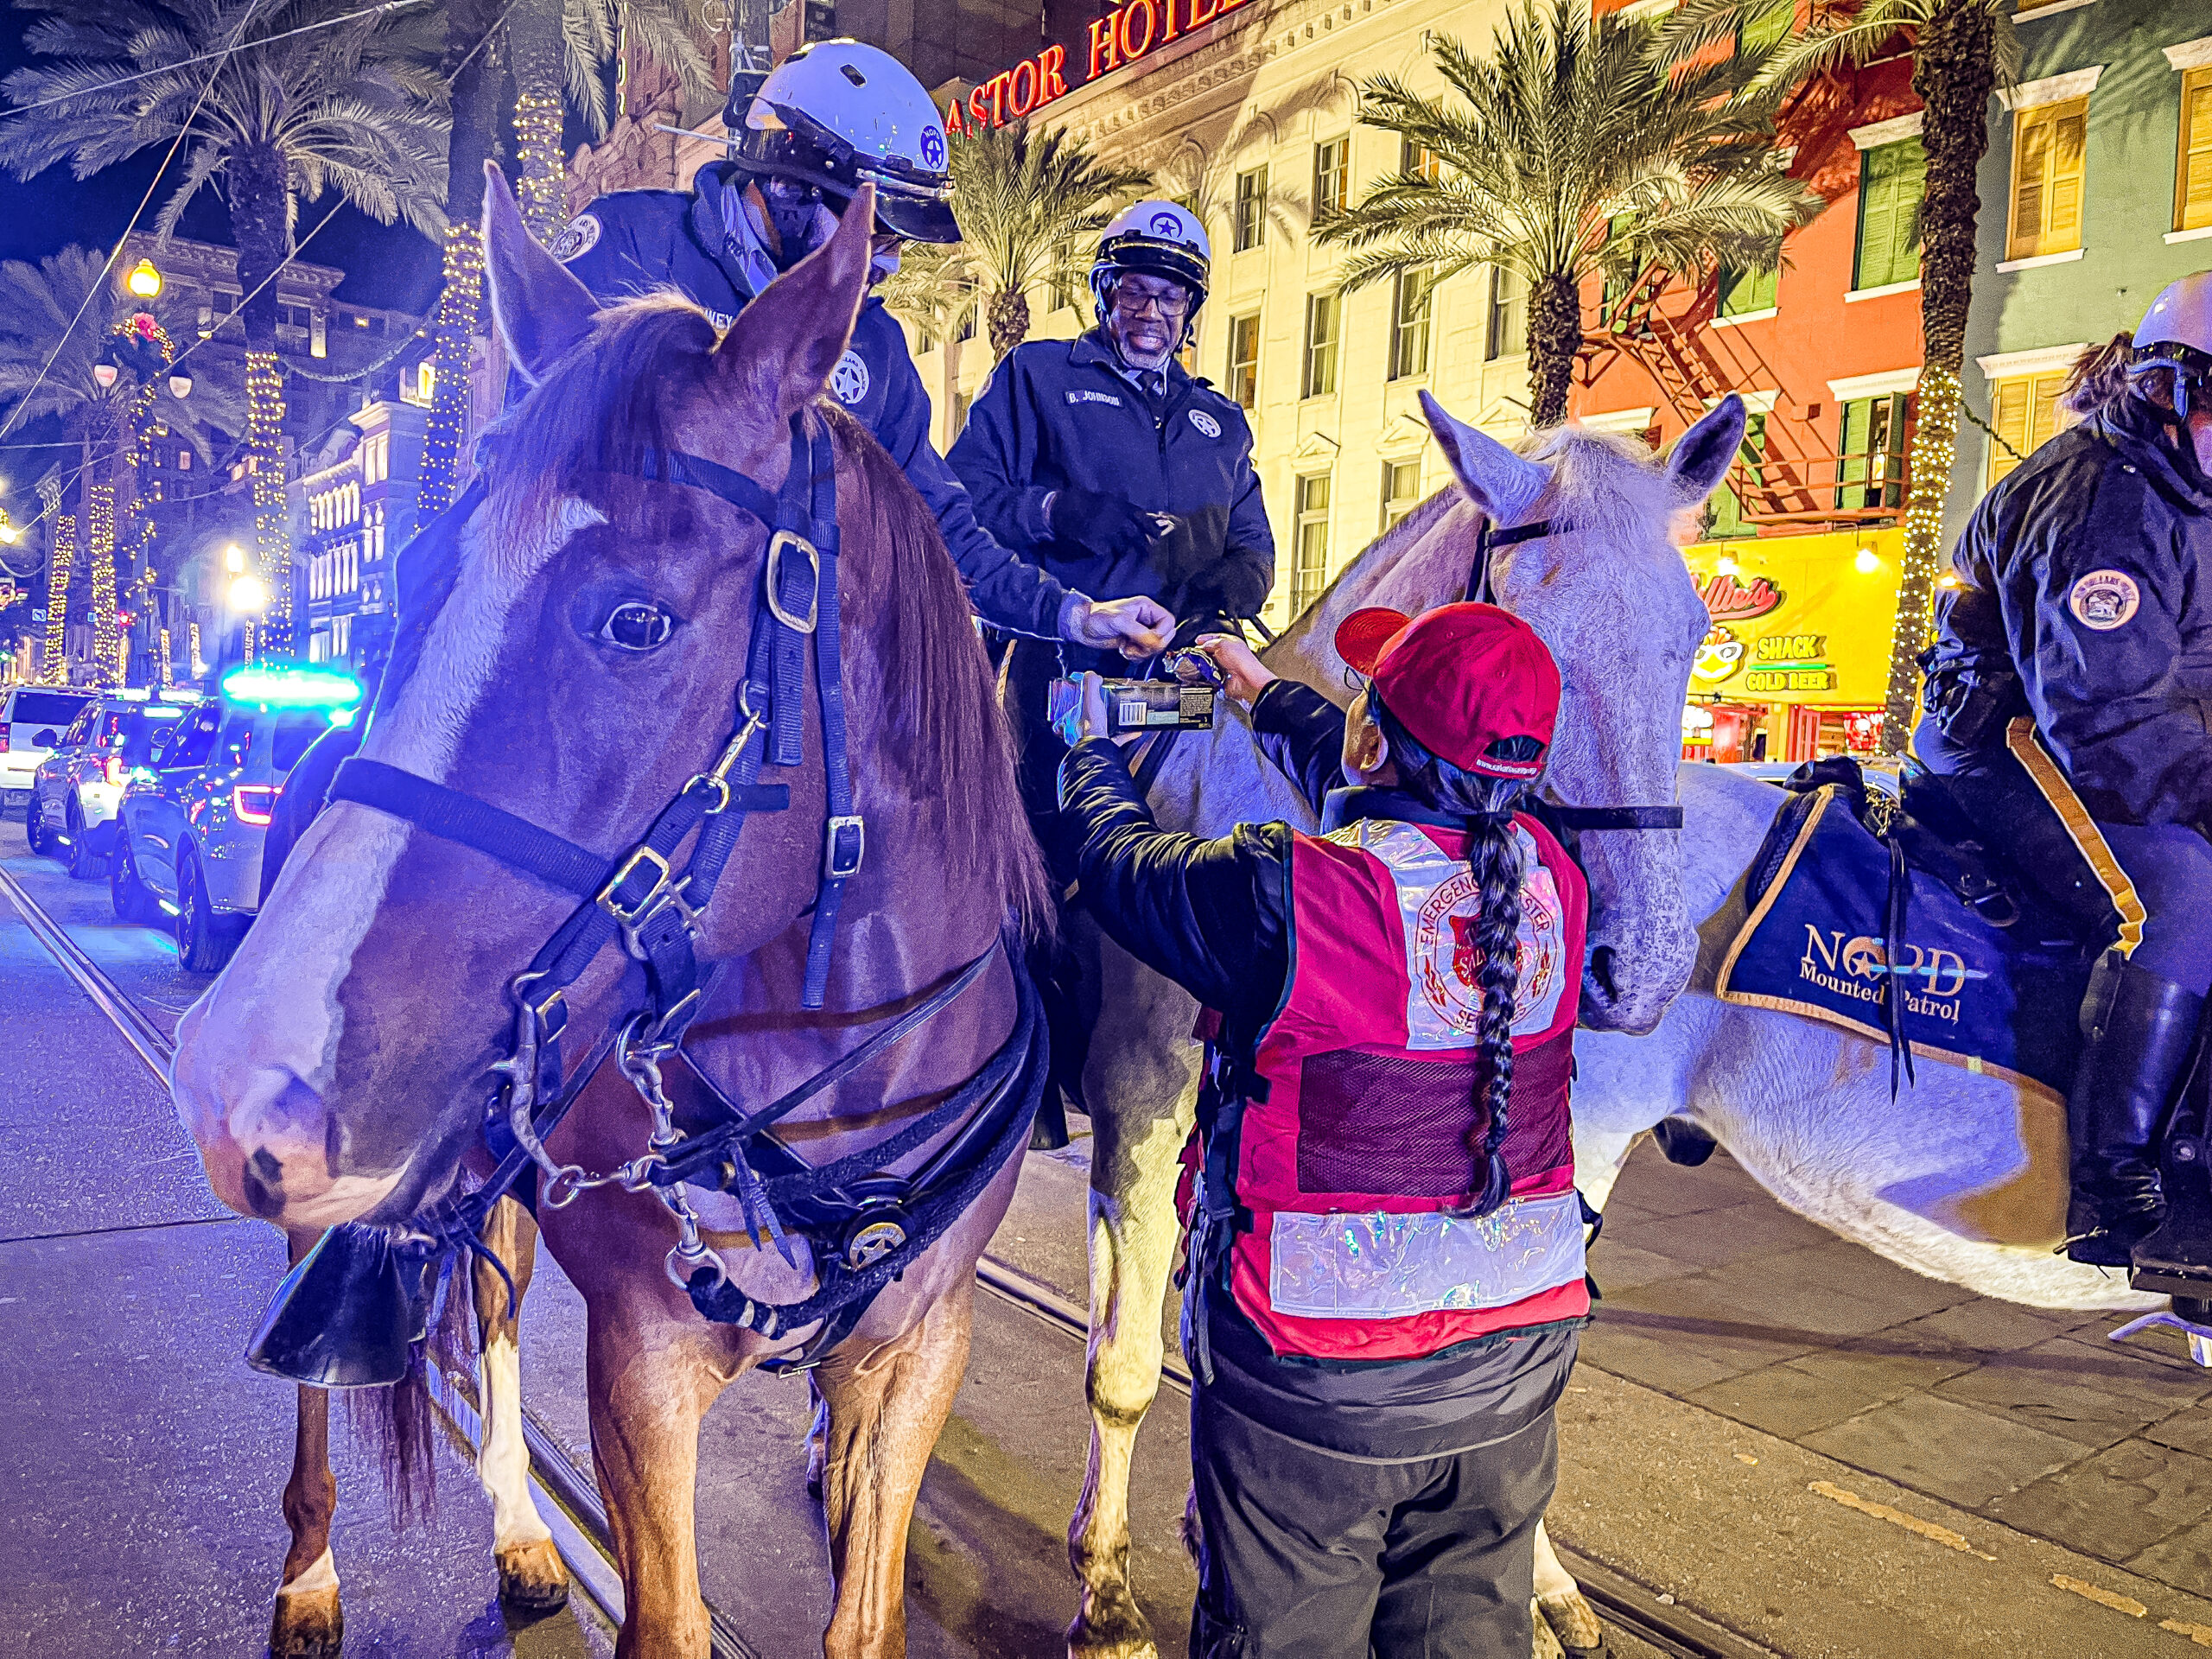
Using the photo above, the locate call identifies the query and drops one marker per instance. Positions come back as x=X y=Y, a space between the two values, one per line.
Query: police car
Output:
x=193 y=819
x=71 y=812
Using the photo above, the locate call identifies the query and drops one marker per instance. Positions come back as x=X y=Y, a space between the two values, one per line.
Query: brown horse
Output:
x=582 y=667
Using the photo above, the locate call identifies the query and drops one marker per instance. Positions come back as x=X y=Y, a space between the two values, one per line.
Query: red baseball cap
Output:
x=1460 y=679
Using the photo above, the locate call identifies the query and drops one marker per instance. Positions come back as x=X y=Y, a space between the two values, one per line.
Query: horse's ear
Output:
x=541 y=310
x=1503 y=484
x=784 y=345
x=1702 y=456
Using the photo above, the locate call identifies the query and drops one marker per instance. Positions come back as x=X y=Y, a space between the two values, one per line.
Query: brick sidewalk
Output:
x=1717 y=1295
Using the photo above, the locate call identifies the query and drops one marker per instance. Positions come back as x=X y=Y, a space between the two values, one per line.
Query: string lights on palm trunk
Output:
x=100 y=549
x=264 y=420
x=1935 y=452
x=543 y=195
x=461 y=311
x=54 y=670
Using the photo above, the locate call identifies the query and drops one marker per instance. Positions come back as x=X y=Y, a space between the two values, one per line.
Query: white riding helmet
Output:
x=1157 y=239
x=2177 y=333
x=839 y=114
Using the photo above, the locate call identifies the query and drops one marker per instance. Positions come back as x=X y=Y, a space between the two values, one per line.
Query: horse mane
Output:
x=946 y=742
x=1609 y=484
x=948 y=739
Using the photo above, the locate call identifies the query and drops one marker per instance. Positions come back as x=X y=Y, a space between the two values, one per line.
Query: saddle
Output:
x=1892 y=917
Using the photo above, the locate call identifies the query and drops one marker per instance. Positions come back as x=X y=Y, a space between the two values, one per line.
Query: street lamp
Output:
x=233 y=558
x=179 y=386
x=104 y=375
x=249 y=595
x=144 y=280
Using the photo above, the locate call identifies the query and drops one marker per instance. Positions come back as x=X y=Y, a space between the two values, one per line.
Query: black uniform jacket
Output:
x=2080 y=575
x=1214 y=916
x=1058 y=415
x=635 y=242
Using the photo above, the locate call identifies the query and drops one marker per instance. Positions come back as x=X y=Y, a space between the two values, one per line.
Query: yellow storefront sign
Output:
x=1798 y=618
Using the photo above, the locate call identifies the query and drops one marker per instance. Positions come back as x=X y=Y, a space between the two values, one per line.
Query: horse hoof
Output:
x=1574 y=1622
x=1110 y=1627
x=308 y=1624
x=531 y=1578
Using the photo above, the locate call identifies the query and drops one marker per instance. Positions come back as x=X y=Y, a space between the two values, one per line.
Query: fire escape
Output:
x=1789 y=485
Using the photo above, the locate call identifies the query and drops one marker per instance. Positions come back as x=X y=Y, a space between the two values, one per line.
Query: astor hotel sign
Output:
x=1120 y=37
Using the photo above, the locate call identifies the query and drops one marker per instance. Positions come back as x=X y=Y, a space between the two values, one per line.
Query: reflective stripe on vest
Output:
x=1379 y=1265
x=1371 y=1126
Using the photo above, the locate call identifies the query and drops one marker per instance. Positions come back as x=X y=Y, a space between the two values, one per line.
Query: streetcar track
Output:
x=582 y=1533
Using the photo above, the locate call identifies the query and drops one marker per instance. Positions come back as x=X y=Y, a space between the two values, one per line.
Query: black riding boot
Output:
x=2175 y=1261
x=2138 y=1032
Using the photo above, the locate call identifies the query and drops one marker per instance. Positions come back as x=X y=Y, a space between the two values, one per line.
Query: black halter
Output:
x=1481 y=590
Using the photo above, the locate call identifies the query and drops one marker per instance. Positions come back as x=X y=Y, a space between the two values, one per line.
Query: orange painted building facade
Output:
x=1827 y=353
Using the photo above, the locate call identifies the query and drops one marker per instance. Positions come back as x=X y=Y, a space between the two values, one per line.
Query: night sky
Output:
x=395 y=267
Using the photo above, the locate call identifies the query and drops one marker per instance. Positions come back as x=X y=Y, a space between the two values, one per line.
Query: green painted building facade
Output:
x=2095 y=193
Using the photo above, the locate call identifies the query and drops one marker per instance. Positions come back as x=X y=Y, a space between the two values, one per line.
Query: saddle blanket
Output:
x=1969 y=994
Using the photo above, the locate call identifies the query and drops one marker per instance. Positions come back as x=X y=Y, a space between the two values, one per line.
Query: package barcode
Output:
x=1132 y=714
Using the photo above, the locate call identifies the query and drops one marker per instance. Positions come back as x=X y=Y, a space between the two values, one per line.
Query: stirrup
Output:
x=2200 y=1336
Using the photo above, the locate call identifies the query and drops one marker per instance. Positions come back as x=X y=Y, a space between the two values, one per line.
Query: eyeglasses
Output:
x=1131 y=304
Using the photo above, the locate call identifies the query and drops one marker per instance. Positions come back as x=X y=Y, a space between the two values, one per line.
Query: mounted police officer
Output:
x=1113 y=469
x=1386 y=1280
x=2083 y=606
x=834 y=115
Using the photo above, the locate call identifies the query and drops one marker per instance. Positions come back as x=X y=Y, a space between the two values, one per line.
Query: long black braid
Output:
x=1486 y=805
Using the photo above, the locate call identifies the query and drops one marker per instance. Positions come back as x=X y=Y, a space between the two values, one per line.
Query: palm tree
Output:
x=1575 y=150
x=351 y=109
x=1030 y=210
x=558 y=51
x=1963 y=51
x=47 y=370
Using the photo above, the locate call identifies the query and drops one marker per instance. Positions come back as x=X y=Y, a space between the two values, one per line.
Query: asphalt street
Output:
x=1700 y=1471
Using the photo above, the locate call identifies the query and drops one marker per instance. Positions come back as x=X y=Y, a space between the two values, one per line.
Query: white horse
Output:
x=1962 y=1176
x=1608 y=591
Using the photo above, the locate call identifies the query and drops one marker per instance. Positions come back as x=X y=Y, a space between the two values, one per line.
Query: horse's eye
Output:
x=637 y=626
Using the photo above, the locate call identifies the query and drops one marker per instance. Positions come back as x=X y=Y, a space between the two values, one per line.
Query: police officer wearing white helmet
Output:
x=833 y=115
x=2083 y=605
x=1105 y=462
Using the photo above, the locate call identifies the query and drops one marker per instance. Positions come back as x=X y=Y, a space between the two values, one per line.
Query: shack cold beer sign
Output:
x=1122 y=36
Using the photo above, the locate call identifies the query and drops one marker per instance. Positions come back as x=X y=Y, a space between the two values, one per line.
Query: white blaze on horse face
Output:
x=254 y=1059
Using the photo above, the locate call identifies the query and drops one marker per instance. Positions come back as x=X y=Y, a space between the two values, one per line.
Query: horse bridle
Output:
x=641 y=898
x=1481 y=590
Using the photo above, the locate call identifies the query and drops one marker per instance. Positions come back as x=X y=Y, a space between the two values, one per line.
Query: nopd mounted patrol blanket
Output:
x=1845 y=927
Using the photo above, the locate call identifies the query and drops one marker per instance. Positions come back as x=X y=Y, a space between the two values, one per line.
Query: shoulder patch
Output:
x=1205 y=423
x=848 y=380
x=2105 y=599
x=1075 y=397
x=578 y=237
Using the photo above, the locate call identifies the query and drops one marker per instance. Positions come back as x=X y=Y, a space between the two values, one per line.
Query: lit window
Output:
x=2193 y=174
x=1251 y=209
x=2048 y=148
x=1415 y=304
x=1420 y=160
x=1331 y=175
x=1244 y=359
x=2023 y=411
x=1401 y=490
x=1309 y=572
x=1324 y=314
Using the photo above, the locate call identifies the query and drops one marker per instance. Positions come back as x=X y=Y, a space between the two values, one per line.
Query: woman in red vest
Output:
x=1386 y=1282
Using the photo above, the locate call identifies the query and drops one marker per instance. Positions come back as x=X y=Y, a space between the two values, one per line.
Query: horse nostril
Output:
x=263 y=1181
x=1601 y=969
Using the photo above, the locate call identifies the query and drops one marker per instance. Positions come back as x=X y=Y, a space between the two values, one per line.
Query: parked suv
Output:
x=193 y=819
x=71 y=812
x=32 y=720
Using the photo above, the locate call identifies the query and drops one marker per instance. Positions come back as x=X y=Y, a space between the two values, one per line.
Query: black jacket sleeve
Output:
x=1212 y=915
x=2117 y=657
x=1303 y=733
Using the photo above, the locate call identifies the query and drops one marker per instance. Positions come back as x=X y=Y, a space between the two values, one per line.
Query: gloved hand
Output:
x=1104 y=523
x=1136 y=627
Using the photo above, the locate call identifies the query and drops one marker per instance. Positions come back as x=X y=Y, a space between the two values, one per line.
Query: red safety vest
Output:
x=1366 y=1130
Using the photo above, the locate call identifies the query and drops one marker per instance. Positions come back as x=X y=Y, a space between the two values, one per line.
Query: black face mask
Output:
x=791 y=211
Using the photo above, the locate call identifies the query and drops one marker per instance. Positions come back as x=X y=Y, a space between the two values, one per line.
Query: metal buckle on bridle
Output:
x=844 y=844
x=634 y=914
x=774 y=577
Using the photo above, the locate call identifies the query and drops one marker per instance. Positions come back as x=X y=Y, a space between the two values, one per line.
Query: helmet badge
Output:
x=932 y=148
x=1166 y=224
